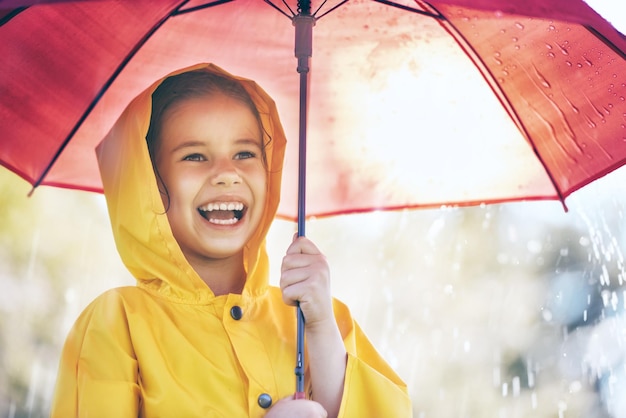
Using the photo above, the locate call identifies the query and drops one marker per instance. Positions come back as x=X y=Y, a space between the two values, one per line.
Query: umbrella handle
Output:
x=300 y=356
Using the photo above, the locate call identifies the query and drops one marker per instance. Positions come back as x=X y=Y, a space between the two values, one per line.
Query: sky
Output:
x=613 y=11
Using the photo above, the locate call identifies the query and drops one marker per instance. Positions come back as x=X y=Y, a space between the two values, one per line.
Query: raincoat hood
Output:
x=140 y=225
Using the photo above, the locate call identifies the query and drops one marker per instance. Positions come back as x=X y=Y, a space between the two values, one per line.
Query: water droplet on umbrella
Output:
x=541 y=78
x=572 y=106
x=590 y=123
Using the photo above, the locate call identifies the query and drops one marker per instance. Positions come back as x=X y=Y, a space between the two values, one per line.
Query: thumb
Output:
x=294 y=247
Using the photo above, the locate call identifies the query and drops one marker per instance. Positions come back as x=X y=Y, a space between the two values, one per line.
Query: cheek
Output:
x=260 y=184
x=181 y=188
x=184 y=188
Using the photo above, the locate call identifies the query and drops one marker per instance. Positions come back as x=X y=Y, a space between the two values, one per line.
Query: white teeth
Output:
x=223 y=221
x=222 y=206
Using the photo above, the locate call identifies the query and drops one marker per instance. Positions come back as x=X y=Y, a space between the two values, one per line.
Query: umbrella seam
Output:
x=101 y=92
x=484 y=70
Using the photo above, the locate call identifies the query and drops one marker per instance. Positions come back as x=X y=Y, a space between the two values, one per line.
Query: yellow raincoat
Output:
x=169 y=347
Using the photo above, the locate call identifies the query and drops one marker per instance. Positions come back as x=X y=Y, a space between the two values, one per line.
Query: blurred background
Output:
x=513 y=310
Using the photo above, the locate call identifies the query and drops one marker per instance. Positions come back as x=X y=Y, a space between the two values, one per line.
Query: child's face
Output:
x=209 y=158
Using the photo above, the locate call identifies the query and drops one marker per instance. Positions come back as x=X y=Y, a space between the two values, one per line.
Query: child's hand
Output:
x=301 y=408
x=305 y=277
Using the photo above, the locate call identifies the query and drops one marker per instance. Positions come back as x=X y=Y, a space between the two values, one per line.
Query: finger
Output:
x=292 y=294
x=293 y=283
x=300 y=260
x=302 y=245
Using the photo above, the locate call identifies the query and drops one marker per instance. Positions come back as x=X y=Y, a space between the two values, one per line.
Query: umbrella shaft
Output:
x=303 y=23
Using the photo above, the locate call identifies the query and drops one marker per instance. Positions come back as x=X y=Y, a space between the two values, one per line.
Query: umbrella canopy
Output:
x=412 y=104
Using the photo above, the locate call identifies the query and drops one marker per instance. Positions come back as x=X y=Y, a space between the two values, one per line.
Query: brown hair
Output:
x=191 y=85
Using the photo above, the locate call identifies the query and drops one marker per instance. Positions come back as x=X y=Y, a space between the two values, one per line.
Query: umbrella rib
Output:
x=101 y=92
x=606 y=41
x=322 y=5
x=328 y=11
x=280 y=10
x=179 y=12
x=499 y=93
x=11 y=15
x=289 y=8
x=437 y=15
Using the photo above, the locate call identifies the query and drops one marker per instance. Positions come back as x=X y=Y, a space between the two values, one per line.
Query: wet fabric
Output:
x=502 y=100
x=169 y=347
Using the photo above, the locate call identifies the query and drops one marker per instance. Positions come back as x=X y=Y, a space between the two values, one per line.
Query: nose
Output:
x=225 y=174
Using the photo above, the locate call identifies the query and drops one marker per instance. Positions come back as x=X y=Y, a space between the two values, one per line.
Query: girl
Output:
x=191 y=174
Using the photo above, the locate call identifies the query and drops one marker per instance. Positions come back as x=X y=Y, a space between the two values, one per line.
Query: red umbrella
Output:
x=412 y=103
x=549 y=75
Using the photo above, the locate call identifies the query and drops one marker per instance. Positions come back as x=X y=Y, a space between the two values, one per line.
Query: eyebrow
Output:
x=250 y=141
x=188 y=144
x=242 y=141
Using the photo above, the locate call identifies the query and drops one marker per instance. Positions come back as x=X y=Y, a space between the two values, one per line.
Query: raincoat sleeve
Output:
x=98 y=369
x=371 y=388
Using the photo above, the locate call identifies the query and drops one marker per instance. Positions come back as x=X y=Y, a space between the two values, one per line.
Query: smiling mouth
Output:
x=223 y=213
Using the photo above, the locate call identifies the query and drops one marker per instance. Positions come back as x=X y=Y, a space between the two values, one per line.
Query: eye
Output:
x=194 y=157
x=243 y=155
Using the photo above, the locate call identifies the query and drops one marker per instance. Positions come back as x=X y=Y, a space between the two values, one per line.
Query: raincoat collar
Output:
x=140 y=226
